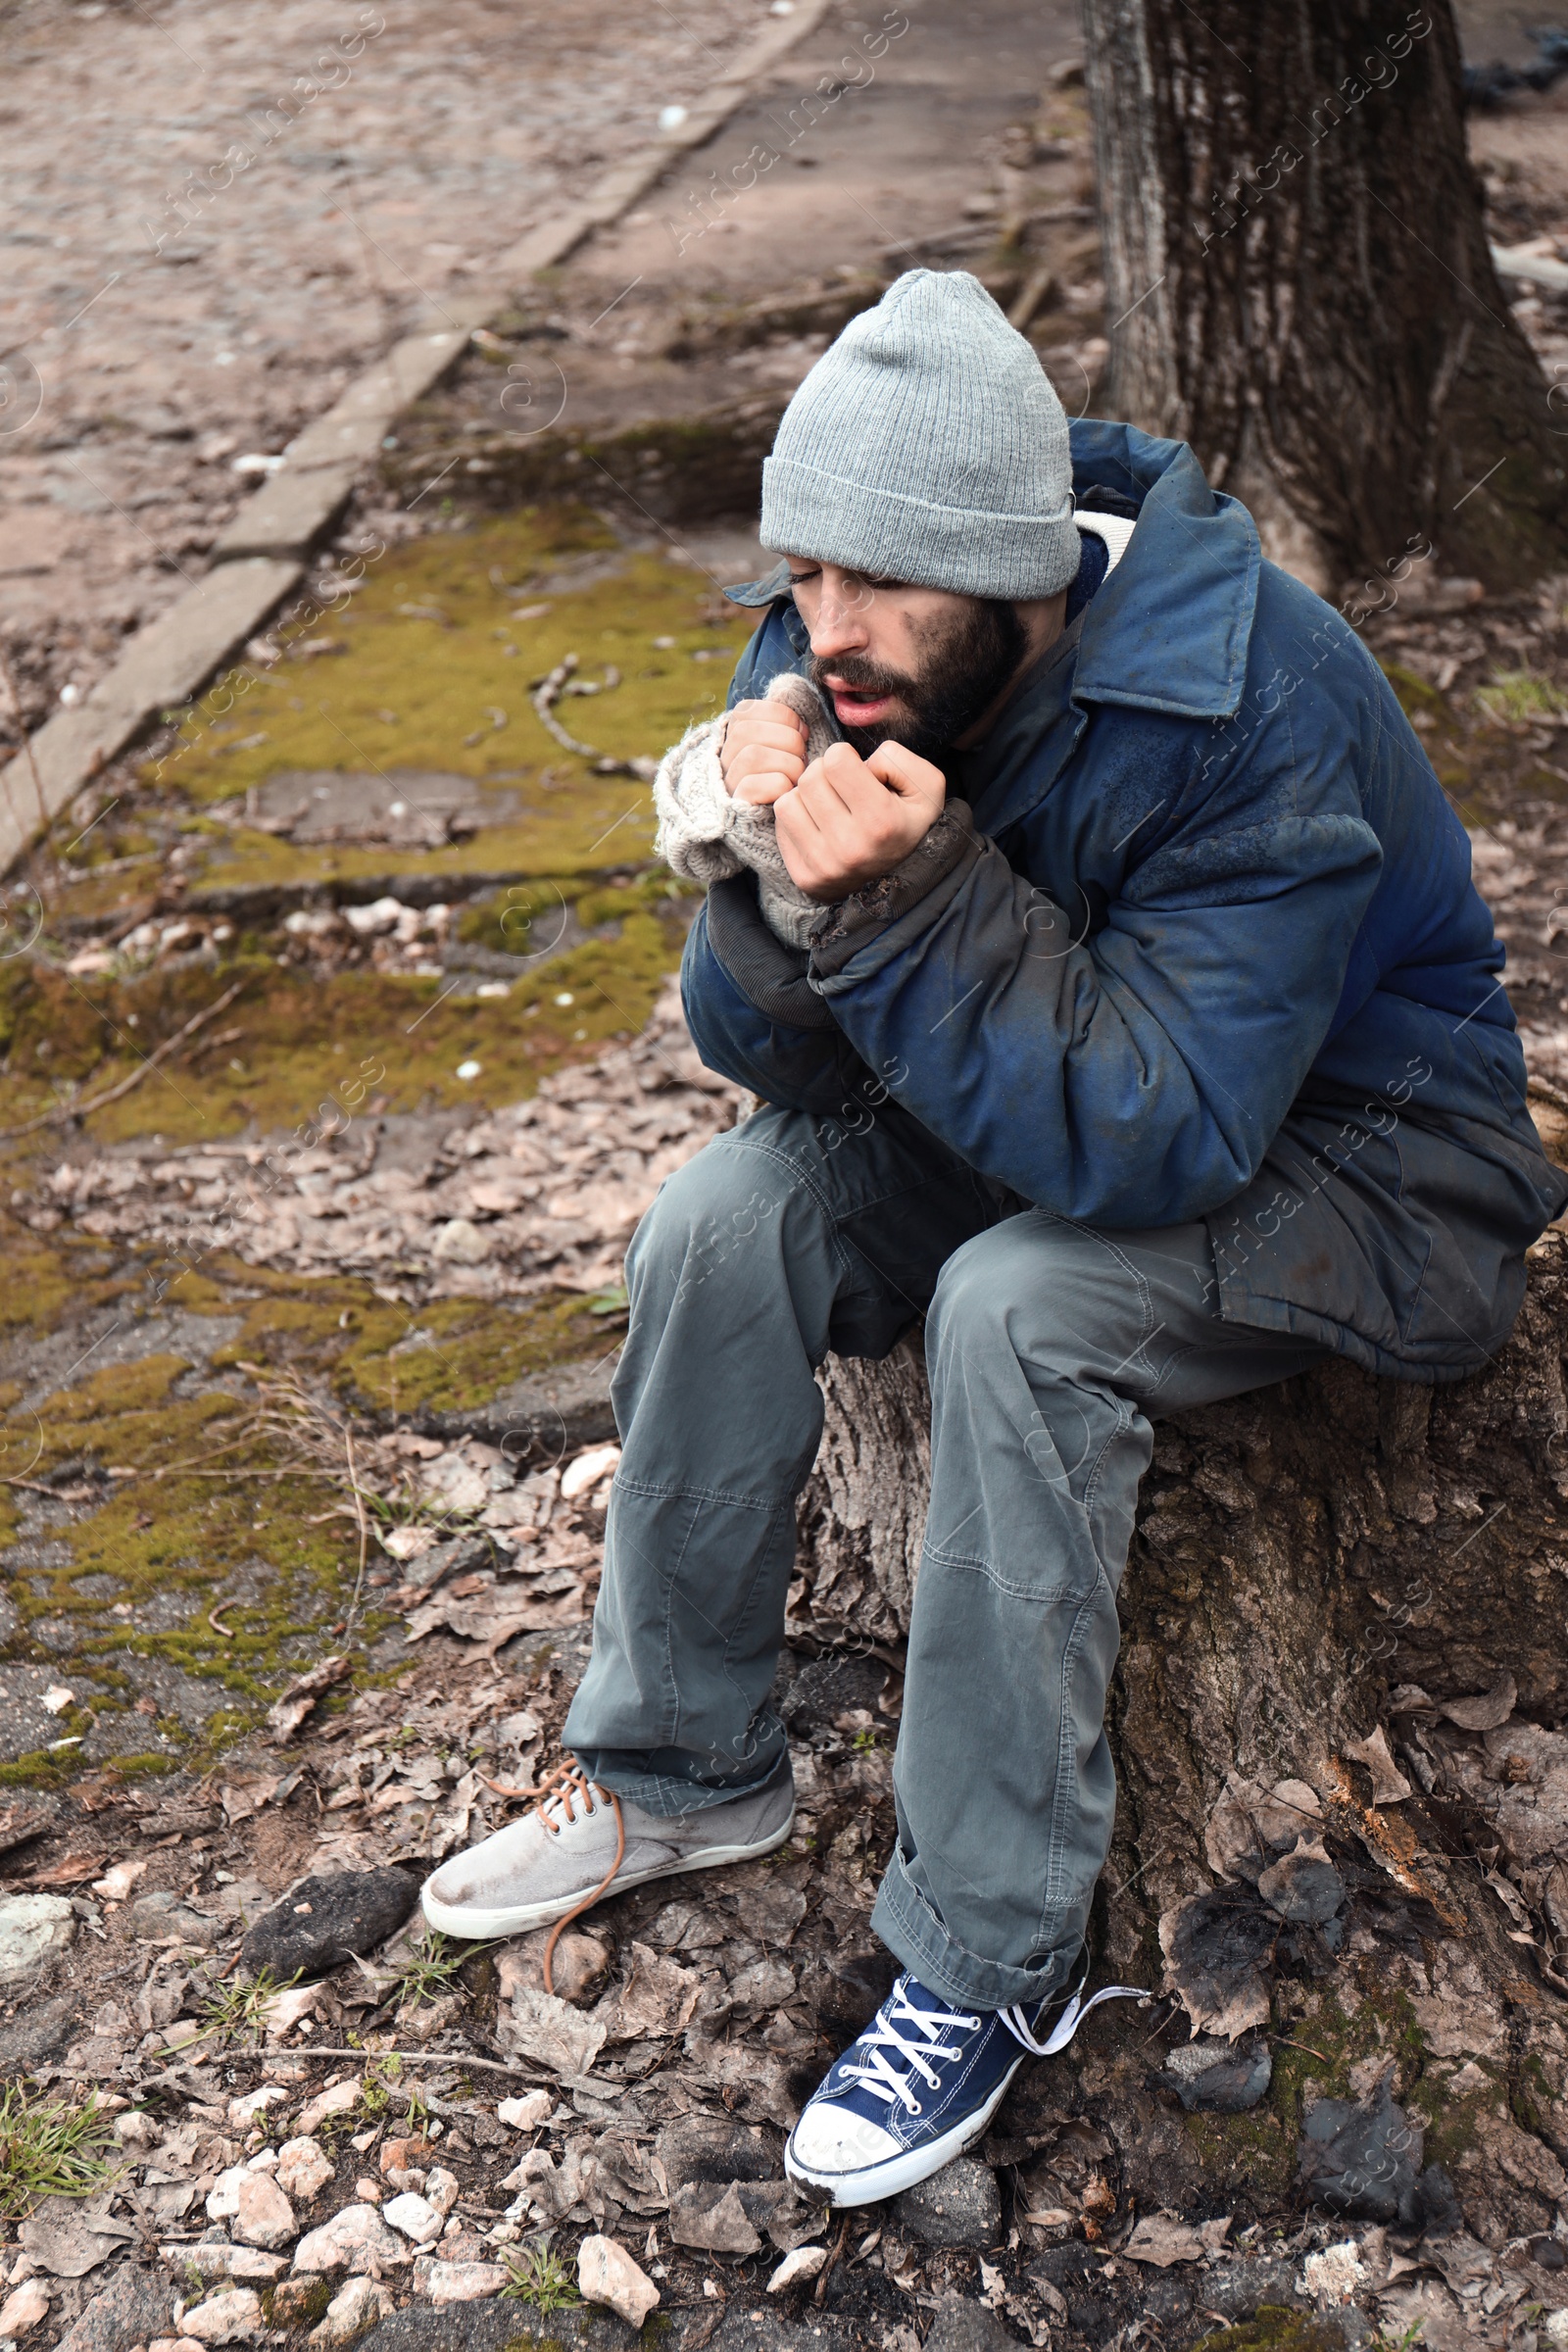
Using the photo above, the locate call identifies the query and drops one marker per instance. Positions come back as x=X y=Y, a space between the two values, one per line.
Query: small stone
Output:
x=230 y=2317
x=401 y=2157
x=264 y=2216
x=415 y=2217
x=607 y=2274
x=32 y=1928
x=349 y=2241
x=304 y=2168
x=459 y=1241
x=445 y=2283
x=442 y=2188
x=223 y=2198
x=337 y=2099
x=803 y=2263
x=959 y=2206
x=154 y=1918
x=353 y=2309
x=216 y=2258
x=24 y=2307
x=329 y=1920
x=528 y=2114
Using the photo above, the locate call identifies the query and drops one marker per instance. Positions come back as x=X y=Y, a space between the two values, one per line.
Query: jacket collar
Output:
x=1169 y=630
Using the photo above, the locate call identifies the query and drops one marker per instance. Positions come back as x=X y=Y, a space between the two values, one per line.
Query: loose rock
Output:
x=607 y=2274
x=414 y=2216
x=528 y=2114
x=445 y=2283
x=227 y=2319
x=353 y=2309
x=329 y=1920
x=347 y=2242
x=32 y=1928
x=304 y=2168
x=804 y=2262
x=264 y=2216
x=959 y=2206
x=24 y=2308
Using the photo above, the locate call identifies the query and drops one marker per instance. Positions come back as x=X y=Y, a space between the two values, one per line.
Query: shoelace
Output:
x=555 y=1800
x=877 y=2070
x=1016 y=2018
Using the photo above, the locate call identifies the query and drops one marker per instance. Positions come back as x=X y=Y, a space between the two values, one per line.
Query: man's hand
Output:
x=763 y=751
x=850 y=820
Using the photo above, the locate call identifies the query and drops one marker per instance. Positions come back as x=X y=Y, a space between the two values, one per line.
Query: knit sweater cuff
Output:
x=843 y=929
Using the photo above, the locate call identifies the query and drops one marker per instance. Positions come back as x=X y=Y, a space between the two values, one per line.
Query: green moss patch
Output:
x=288 y=1045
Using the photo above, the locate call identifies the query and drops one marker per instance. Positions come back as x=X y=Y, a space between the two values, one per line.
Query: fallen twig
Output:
x=549 y=692
x=489 y=2065
x=81 y=1111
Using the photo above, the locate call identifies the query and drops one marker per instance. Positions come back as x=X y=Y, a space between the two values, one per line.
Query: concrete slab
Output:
x=287 y=514
x=162 y=664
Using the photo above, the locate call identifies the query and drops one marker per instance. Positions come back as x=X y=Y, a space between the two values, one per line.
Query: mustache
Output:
x=870 y=677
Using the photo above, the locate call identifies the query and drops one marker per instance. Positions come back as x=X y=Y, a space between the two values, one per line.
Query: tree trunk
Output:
x=1315 y=1564
x=1298 y=284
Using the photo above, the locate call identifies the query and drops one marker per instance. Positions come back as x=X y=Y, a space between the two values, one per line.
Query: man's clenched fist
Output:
x=763 y=751
x=849 y=820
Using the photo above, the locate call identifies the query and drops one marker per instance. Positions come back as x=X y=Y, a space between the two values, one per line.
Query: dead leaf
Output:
x=551 y=2031
x=1389 y=1783
x=709 y=2214
x=1161 y=2240
x=1216 y=1948
x=658 y=1998
x=287 y=1713
x=72 y=1870
x=68 y=2240
x=1484 y=1713
x=1251 y=1823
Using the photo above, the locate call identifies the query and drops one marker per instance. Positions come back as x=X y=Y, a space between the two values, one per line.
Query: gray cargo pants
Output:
x=1051 y=1346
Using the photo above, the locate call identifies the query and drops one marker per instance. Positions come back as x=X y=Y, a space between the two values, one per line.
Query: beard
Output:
x=966 y=667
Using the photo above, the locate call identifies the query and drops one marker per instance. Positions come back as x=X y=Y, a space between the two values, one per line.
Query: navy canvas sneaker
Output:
x=919 y=2086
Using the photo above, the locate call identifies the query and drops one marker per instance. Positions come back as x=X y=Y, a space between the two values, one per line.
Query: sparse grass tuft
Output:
x=1519 y=696
x=240 y=2009
x=540 y=2277
x=50 y=2148
x=426 y=1970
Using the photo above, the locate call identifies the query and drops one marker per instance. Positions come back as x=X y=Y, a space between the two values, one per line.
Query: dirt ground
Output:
x=304 y=1349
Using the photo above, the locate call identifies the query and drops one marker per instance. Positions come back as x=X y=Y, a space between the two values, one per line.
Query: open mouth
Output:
x=858 y=707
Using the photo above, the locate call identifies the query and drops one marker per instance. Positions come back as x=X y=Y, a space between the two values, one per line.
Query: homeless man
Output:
x=1096 y=934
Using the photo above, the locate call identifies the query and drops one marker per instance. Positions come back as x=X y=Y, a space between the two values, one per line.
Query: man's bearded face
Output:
x=964 y=663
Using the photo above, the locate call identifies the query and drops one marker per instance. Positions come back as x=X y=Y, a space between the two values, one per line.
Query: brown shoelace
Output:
x=565 y=1786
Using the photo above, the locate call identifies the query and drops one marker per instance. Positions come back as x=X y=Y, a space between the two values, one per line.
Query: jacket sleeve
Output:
x=752 y=1012
x=1138 y=1077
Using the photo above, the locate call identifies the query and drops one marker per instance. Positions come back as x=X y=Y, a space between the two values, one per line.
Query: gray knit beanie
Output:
x=927 y=446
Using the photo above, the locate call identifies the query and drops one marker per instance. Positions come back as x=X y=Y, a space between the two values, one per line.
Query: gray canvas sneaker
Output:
x=561 y=1855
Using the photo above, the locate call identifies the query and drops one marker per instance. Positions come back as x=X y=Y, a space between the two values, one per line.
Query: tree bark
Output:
x=1298 y=284
x=1315 y=1563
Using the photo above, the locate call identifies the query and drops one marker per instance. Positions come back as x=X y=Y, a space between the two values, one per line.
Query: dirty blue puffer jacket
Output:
x=1208 y=948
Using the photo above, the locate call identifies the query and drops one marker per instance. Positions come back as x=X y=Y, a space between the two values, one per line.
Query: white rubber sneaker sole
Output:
x=871 y=2183
x=479 y=1924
